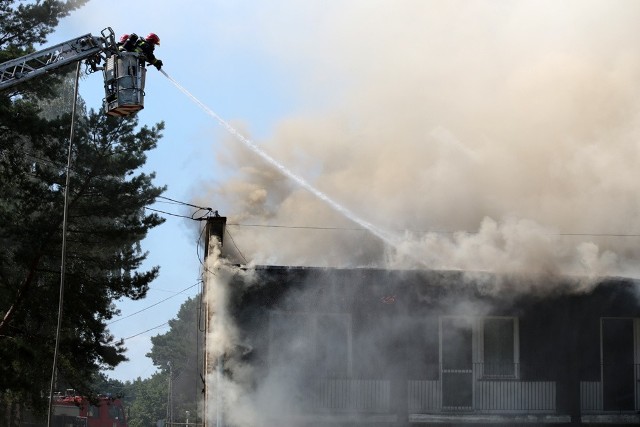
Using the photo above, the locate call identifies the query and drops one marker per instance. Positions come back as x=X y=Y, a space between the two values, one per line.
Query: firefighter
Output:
x=123 y=40
x=145 y=47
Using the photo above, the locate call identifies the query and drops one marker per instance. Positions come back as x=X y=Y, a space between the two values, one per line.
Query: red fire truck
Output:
x=77 y=411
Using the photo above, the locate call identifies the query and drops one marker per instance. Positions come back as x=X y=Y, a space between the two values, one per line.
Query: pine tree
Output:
x=106 y=222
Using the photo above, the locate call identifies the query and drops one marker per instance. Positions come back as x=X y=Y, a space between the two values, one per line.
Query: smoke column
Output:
x=500 y=136
x=300 y=181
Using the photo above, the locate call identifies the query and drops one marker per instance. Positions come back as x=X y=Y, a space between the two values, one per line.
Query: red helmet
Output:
x=124 y=38
x=153 y=38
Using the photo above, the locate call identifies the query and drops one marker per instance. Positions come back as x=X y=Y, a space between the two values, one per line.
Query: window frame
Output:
x=635 y=322
x=481 y=353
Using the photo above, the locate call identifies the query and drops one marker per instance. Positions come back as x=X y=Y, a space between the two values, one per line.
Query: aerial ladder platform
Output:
x=123 y=72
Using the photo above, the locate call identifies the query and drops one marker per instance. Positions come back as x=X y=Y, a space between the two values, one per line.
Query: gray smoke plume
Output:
x=497 y=136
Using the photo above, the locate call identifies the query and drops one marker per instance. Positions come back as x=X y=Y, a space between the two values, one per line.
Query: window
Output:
x=113 y=412
x=618 y=369
x=319 y=343
x=94 y=411
x=289 y=339
x=500 y=347
x=456 y=361
x=72 y=411
x=332 y=345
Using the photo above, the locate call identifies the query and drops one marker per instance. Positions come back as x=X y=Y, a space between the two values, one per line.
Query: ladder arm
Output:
x=52 y=58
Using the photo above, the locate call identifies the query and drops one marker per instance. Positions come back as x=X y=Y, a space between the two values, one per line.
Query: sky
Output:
x=477 y=135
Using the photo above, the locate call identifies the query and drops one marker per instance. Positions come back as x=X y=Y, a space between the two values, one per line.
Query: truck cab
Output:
x=78 y=411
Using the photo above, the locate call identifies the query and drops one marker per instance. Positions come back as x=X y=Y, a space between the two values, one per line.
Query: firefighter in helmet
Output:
x=145 y=47
x=123 y=40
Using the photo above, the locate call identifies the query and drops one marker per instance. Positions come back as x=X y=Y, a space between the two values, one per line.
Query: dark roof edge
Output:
x=261 y=267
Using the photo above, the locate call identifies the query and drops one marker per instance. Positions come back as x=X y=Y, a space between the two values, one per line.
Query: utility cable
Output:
x=192 y=217
x=168 y=213
x=54 y=370
x=144 y=332
x=183 y=203
x=153 y=305
x=236 y=246
x=208 y=211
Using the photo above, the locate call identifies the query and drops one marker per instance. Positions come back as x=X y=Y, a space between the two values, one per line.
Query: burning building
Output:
x=311 y=346
x=486 y=136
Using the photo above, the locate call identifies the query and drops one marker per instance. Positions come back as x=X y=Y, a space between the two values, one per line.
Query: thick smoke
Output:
x=226 y=376
x=487 y=135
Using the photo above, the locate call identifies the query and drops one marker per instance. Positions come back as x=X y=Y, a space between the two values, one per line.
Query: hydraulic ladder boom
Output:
x=86 y=47
x=123 y=72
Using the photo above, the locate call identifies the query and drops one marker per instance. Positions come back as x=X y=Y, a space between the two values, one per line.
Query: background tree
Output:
x=146 y=400
x=181 y=347
x=102 y=384
x=106 y=223
x=24 y=24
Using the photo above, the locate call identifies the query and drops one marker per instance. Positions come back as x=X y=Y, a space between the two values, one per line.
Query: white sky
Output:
x=515 y=120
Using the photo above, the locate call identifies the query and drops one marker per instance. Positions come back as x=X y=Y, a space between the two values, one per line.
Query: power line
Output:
x=209 y=211
x=167 y=213
x=183 y=203
x=153 y=305
x=236 y=246
x=144 y=332
x=200 y=258
x=193 y=216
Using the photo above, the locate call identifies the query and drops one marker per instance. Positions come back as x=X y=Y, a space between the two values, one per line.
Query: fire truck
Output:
x=124 y=72
x=71 y=410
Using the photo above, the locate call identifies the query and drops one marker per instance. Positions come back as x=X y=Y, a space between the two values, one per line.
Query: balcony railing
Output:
x=338 y=401
x=617 y=391
x=331 y=396
x=483 y=388
x=350 y=395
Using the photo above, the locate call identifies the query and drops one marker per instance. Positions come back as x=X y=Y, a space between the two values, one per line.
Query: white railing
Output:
x=590 y=396
x=424 y=396
x=349 y=395
x=515 y=396
x=620 y=392
x=488 y=389
x=488 y=396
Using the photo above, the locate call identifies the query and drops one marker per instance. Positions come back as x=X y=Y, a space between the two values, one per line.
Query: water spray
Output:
x=384 y=236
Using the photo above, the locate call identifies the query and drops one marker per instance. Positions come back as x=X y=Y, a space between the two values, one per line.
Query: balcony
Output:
x=613 y=399
x=506 y=394
x=484 y=393
x=350 y=395
x=322 y=400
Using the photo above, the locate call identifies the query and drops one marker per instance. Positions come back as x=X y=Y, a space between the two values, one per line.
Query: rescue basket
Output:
x=124 y=77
